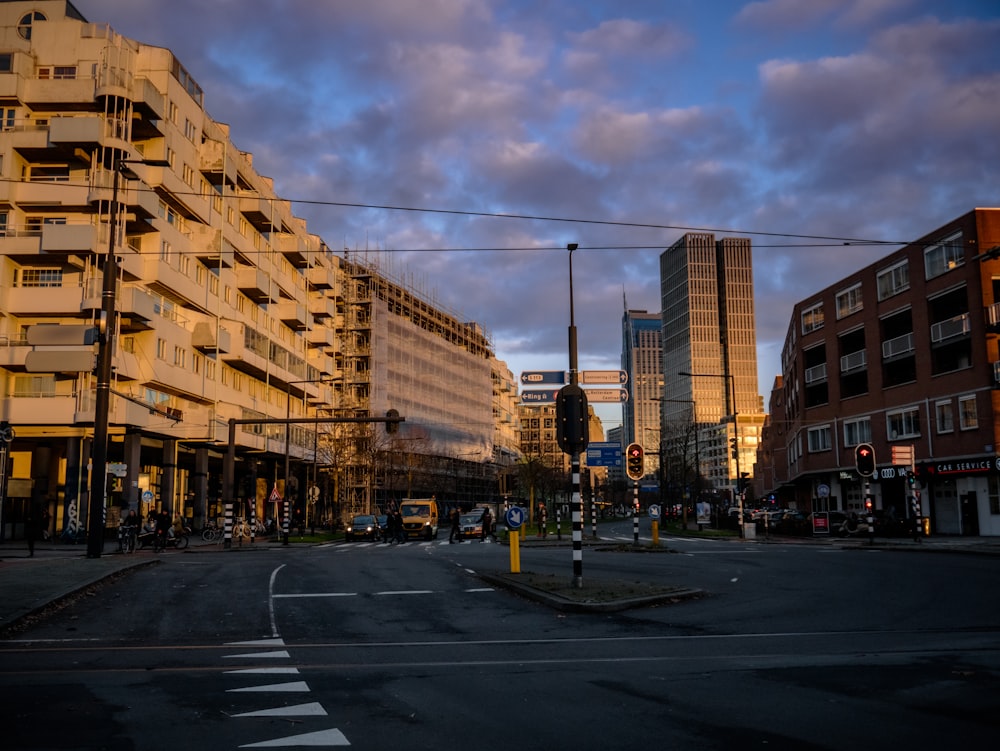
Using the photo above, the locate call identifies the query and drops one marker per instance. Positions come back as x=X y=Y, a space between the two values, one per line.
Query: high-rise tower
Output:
x=642 y=360
x=707 y=309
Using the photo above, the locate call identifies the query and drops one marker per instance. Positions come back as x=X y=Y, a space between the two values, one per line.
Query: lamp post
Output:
x=105 y=355
x=731 y=383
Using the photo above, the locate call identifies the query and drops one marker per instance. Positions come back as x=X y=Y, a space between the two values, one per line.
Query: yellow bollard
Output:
x=656 y=534
x=515 y=552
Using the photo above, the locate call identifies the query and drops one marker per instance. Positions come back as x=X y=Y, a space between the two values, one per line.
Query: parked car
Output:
x=364 y=527
x=383 y=525
x=792 y=522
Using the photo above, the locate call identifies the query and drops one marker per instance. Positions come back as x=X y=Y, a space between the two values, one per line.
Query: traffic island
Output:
x=597 y=595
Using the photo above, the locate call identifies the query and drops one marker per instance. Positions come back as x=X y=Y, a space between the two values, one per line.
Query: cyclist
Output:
x=162 y=529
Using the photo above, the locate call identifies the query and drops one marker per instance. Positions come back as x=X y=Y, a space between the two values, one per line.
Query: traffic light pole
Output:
x=574 y=382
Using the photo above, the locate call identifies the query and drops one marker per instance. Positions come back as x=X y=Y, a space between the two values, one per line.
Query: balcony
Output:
x=43 y=301
x=815 y=374
x=255 y=284
x=294 y=315
x=322 y=307
x=321 y=277
x=209 y=337
x=901 y=346
x=256 y=209
x=321 y=336
x=854 y=361
x=209 y=247
x=954 y=327
x=217 y=163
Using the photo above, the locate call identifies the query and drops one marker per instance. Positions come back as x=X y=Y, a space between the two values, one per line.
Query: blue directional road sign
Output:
x=514 y=517
x=604 y=454
x=542 y=396
x=542 y=377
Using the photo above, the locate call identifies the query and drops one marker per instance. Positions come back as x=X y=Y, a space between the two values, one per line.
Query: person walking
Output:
x=390 y=527
x=31 y=528
x=487 y=531
x=456 y=530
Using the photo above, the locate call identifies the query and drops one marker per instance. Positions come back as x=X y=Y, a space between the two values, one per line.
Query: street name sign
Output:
x=604 y=376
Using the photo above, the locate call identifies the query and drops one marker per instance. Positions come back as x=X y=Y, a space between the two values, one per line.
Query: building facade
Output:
x=902 y=353
x=642 y=361
x=709 y=334
x=226 y=307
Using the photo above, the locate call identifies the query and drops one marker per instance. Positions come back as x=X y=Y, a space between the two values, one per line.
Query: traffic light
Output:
x=572 y=420
x=864 y=459
x=911 y=478
x=868 y=503
x=391 y=425
x=634 y=461
x=733 y=448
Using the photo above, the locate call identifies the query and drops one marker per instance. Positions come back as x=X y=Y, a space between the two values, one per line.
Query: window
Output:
x=34 y=385
x=819 y=439
x=8 y=118
x=857 y=431
x=944 y=256
x=968 y=419
x=24 y=25
x=944 y=415
x=190 y=132
x=39 y=278
x=903 y=423
x=6 y=62
x=59 y=72
x=161 y=349
x=180 y=357
x=849 y=301
x=994 y=490
x=812 y=318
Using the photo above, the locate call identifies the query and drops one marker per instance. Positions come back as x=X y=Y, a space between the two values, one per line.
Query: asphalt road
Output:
x=792 y=647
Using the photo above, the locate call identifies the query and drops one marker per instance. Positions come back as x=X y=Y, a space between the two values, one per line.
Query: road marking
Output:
x=263 y=671
x=405 y=592
x=257 y=643
x=331 y=737
x=293 y=687
x=318 y=594
x=311 y=709
x=258 y=655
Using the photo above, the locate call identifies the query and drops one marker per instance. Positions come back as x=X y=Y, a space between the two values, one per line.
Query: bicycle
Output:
x=127 y=539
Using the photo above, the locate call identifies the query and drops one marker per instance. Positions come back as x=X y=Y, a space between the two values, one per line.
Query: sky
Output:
x=462 y=144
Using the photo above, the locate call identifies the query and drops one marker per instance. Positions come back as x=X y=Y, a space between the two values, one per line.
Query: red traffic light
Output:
x=634 y=461
x=864 y=459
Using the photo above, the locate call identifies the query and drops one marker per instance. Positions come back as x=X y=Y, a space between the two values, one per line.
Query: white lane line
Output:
x=405 y=592
x=317 y=594
x=481 y=589
x=283 y=654
x=310 y=709
x=293 y=687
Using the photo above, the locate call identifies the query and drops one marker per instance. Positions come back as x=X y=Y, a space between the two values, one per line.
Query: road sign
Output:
x=147 y=496
x=902 y=456
x=542 y=396
x=607 y=395
x=542 y=377
x=604 y=376
x=654 y=511
x=514 y=517
x=604 y=454
x=118 y=469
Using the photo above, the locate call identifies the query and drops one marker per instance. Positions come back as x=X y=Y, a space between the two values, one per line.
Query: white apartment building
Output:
x=226 y=306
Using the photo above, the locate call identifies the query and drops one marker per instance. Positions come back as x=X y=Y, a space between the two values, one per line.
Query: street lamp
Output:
x=736 y=434
x=105 y=354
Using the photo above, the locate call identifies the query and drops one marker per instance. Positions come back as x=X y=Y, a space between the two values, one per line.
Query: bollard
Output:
x=227 y=527
x=515 y=552
x=558 y=522
x=656 y=534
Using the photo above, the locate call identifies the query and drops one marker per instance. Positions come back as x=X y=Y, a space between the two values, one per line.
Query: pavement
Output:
x=31 y=585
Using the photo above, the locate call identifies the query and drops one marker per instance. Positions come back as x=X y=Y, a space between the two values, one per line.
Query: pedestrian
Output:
x=487 y=531
x=31 y=529
x=397 y=515
x=390 y=527
x=456 y=530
